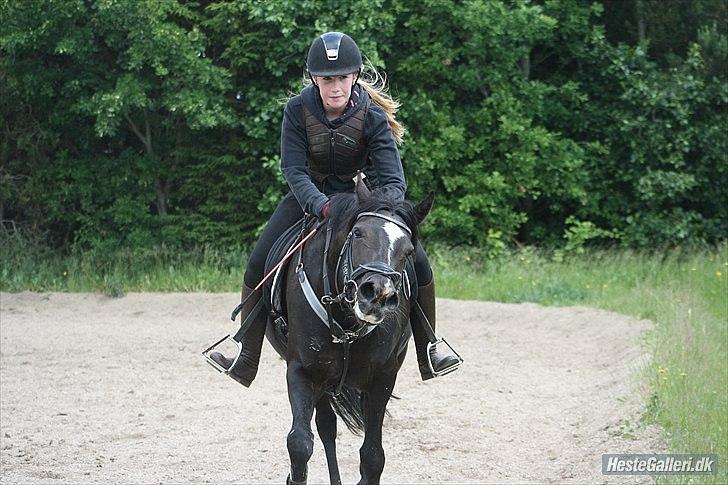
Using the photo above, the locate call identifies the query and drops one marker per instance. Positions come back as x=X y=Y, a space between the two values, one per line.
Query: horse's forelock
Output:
x=346 y=206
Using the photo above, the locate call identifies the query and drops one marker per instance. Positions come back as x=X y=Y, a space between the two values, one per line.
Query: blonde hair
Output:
x=376 y=87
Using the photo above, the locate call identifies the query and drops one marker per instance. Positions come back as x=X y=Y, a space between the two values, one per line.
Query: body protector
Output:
x=340 y=152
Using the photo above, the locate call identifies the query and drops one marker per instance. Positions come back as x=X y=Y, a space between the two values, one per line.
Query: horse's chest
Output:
x=325 y=359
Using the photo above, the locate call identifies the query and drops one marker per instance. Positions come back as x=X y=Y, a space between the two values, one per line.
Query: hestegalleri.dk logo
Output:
x=659 y=464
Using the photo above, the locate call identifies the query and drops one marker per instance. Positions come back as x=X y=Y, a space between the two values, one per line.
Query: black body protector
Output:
x=340 y=152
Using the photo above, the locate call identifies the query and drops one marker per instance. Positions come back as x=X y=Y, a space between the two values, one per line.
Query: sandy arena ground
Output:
x=98 y=389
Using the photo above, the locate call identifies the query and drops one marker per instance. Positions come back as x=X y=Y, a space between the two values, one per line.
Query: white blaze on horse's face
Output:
x=394 y=234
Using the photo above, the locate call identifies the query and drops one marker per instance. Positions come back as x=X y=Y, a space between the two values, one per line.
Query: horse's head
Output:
x=383 y=235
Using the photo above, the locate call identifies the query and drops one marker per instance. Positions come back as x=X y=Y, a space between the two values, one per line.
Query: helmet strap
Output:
x=358 y=73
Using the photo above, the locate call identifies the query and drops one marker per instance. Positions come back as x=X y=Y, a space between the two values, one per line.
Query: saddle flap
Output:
x=272 y=289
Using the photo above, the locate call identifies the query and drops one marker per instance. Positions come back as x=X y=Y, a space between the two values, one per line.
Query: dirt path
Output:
x=95 y=389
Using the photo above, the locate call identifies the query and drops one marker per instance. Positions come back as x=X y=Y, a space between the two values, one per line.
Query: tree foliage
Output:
x=554 y=122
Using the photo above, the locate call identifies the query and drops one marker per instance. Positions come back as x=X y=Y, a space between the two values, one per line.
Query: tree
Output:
x=108 y=77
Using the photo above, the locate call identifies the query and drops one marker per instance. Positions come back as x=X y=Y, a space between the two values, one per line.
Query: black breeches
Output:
x=423 y=270
x=287 y=214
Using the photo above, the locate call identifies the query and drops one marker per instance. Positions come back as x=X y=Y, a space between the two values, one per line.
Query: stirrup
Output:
x=217 y=366
x=448 y=369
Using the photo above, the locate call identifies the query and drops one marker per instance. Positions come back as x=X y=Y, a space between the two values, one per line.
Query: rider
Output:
x=357 y=118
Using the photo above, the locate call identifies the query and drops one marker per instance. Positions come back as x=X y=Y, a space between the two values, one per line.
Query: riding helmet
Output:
x=333 y=54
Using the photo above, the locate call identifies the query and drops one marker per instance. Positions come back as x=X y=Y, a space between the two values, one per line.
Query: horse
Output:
x=343 y=359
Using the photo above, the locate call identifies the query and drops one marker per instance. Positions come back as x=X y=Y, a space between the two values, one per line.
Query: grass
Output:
x=684 y=292
x=28 y=266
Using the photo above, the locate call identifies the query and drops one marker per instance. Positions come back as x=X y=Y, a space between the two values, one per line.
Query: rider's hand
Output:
x=325 y=210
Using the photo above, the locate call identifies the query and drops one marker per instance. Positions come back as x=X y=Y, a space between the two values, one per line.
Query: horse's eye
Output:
x=356 y=232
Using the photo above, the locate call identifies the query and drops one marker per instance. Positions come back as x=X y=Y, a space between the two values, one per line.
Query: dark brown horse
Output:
x=347 y=308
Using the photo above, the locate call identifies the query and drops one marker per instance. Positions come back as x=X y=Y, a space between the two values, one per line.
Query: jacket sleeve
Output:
x=384 y=154
x=294 y=161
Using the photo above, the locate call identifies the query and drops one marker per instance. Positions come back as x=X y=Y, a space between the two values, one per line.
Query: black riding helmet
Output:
x=333 y=54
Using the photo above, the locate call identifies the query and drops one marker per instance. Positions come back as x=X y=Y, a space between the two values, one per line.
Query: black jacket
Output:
x=384 y=164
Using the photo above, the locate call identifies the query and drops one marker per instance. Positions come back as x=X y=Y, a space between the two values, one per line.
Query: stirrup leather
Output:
x=448 y=369
x=217 y=366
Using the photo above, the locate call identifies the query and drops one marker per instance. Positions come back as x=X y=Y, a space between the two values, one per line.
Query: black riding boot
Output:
x=441 y=359
x=247 y=365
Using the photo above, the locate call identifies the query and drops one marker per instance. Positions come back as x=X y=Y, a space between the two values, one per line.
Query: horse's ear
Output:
x=424 y=207
x=361 y=189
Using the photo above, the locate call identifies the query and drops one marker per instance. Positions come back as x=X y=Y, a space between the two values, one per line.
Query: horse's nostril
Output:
x=367 y=291
x=392 y=302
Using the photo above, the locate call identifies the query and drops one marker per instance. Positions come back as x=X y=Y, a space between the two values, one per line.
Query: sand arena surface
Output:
x=98 y=389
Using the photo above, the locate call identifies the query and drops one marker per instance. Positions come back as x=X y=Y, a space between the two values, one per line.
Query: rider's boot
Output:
x=247 y=365
x=442 y=360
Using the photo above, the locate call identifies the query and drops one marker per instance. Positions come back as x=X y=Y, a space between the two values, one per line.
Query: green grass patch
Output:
x=684 y=292
x=29 y=266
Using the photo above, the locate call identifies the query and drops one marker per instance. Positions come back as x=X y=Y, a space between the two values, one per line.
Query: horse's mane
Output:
x=346 y=206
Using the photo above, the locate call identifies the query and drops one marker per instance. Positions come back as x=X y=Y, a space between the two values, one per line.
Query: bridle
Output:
x=348 y=273
x=345 y=294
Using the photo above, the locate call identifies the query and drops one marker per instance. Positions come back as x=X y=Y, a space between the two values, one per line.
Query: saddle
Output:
x=273 y=288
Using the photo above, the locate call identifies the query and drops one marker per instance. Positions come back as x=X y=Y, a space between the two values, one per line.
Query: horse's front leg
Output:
x=301 y=395
x=326 y=425
x=371 y=453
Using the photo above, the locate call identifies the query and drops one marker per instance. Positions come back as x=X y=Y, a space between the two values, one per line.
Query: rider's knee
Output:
x=423 y=270
x=254 y=272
